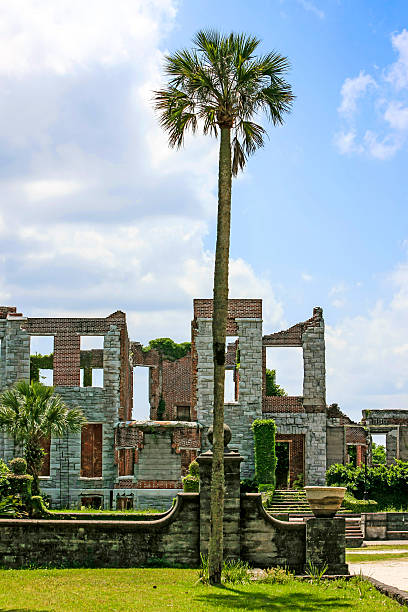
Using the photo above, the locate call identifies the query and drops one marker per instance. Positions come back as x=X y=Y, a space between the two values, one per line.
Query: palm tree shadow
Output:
x=234 y=599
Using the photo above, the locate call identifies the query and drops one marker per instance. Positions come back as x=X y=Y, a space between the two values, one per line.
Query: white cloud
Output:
x=381 y=149
x=397 y=115
x=45 y=189
x=366 y=355
x=398 y=72
x=311 y=8
x=387 y=132
x=345 y=142
x=306 y=277
x=61 y=36
x=353 y=89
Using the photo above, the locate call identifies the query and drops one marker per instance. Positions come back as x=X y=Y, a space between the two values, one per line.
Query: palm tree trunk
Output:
x=220 y=313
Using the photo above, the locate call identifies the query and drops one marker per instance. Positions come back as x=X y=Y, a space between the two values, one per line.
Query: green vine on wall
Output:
x=161 y=408
x=265 y=454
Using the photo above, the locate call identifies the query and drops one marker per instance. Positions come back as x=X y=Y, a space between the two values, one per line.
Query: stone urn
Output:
x=325 y=501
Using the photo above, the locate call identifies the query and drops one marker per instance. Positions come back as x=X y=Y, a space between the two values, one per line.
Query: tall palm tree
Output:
x=220 y=87
x=30 y=412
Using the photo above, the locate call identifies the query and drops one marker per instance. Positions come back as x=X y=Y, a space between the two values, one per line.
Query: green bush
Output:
x=249 y=485
x=265 y=455
x=387 y=485
x=359 y=505
x=191 y=484
x=194 y=469
x=20 y=485
x=18 y=465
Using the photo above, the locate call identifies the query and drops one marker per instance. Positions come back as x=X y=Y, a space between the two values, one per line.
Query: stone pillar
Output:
x=232 y=503
x=314 y=381
x=326 y=543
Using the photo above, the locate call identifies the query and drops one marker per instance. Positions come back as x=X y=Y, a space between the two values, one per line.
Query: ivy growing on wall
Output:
x=168 y=348
x=265 y=455
x=161 y=408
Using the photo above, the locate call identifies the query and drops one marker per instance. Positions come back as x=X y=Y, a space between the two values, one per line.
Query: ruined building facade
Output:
x=121 y=463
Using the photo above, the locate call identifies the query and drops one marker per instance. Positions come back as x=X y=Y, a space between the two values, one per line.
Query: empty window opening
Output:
x=124 y=503
x=352 y=454
x=232 y=364
x=141 y=386
x=91 y=450
x=97 y=377
x=91 y=342
x=45 y=444
x=287 y=362
x=229 y=387
x=42 y=359
x=183 y=413
x=92 y=501
x=378 y=449
x=91 y=377
x=41 y=345
x=46 y=376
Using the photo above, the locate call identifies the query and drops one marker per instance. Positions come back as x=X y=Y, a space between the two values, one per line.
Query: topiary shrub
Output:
x=20 y=485
x=38 y=508
x=191 y=484
x=18 y=465
x=265 y=455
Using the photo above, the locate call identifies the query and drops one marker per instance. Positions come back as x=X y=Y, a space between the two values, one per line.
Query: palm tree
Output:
x=220 y=87
x=30 y=412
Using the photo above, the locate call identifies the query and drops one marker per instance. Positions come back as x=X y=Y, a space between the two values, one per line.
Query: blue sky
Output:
x=96 y=213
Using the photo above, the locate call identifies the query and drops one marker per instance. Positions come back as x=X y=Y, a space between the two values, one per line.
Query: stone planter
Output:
x=325 y=501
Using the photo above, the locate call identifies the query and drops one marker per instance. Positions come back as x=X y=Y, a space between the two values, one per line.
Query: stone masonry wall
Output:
x=313 y=426
x=238 y=415
x=100 y=405
x=314 y=381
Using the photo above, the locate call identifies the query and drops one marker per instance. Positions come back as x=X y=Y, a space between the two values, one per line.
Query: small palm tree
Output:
x=221 y=87
x=30 y=412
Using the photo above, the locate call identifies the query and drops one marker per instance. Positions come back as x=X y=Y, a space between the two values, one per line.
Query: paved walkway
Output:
x=393 y=572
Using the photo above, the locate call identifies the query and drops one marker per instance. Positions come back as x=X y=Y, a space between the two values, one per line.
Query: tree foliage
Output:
x=169 y=349
x=378 y=453
x=272 y=388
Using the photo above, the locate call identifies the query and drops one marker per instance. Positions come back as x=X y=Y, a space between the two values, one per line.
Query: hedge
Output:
x=387 y=485
x=265 y=455
x=359 y=505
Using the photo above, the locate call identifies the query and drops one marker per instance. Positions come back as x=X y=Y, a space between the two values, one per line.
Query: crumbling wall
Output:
x=244 y=321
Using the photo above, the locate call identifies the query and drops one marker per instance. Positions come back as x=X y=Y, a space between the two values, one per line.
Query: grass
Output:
x=381 y=553
x=99 y=511
x=151 y=590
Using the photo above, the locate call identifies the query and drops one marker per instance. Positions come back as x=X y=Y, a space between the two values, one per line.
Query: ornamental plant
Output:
x=30 y=412
x=265 y=454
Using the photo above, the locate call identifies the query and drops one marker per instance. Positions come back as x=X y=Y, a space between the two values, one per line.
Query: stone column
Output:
x=326 y=543
x=232 y=504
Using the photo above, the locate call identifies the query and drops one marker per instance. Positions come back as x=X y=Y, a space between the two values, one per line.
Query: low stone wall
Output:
x=266 y=541
x=385 y=525
x=174 y=538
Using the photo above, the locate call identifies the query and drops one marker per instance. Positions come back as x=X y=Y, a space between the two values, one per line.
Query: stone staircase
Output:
x=293 y=502
x=288 y=501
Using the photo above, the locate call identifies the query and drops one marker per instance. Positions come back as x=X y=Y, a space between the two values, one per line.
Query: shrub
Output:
x=387 y=485
x=20 y=486
x=278 y=575
x=359 y=505
x=233 y=571
x=265 y=454
x=194 y=469
x=18 y=465
x=191 y=484
x=249 y=485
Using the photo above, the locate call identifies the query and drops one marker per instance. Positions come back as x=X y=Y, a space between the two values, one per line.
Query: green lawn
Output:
x=380 y=553
x=173 y=589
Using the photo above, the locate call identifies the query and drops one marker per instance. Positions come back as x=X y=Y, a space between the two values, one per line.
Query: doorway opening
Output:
x=282 y=473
